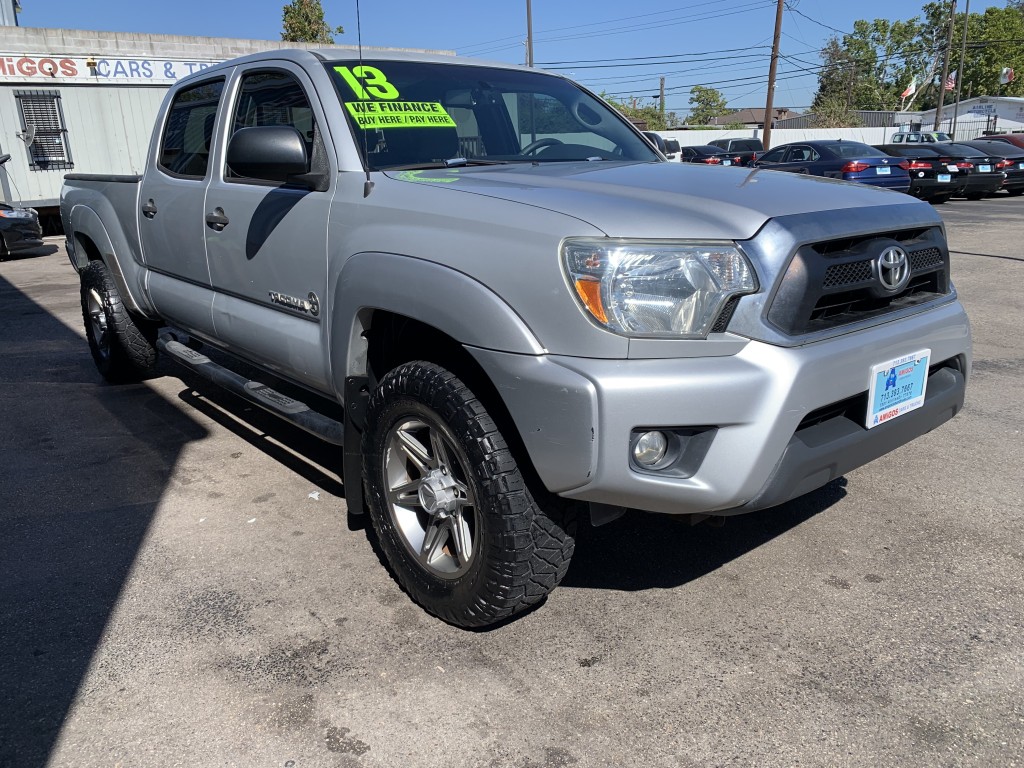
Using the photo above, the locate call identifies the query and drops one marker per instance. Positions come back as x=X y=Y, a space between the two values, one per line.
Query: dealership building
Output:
x=85 y=102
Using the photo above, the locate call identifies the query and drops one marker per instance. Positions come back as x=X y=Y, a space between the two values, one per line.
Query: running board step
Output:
x=282 y=406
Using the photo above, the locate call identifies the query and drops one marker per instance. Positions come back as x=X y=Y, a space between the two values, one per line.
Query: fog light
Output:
x=650 y=448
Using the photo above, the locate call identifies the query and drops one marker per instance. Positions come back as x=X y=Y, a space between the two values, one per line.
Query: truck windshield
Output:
x=415 y=115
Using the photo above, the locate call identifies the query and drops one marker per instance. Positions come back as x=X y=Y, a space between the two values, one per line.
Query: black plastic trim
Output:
x=824 y=451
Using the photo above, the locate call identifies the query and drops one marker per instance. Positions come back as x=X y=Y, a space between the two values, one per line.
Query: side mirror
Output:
x=671 y=146
x=4 y=158
x=269 y=153
x=656 y=140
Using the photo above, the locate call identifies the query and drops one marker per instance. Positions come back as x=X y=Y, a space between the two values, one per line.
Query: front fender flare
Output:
x=443 y=298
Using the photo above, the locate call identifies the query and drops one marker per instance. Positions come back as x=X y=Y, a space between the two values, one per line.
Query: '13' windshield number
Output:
x=374 y=83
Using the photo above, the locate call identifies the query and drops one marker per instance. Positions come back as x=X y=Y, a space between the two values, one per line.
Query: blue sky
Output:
x=725 y=44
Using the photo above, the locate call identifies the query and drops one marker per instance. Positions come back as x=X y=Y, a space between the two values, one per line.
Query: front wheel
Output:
x=455 y=520
x=124 y=350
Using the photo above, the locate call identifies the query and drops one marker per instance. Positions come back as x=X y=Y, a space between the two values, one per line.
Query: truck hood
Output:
x=659 y=200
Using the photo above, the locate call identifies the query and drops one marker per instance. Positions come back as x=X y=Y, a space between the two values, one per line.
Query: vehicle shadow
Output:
x=84 y=466
x=30 y=253
x=645 y=551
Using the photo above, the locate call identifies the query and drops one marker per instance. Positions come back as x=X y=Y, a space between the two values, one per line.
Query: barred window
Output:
x=42 y=118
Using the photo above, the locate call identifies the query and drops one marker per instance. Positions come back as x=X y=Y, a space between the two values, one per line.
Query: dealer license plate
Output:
x=727 y=162
x=1020 y=166
x=897 y=387
x=984 y=168
x=883 y=170
x=944 y=177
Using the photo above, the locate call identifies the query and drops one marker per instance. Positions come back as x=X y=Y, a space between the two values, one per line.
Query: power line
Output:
x=591 y=24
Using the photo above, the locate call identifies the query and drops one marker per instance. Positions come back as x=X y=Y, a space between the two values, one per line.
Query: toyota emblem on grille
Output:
x=893 y=269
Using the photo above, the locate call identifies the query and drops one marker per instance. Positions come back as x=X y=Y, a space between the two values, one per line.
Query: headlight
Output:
x=16 y=213
x=666 y=289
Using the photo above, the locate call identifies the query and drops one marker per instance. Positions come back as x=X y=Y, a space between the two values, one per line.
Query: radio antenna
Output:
x=367 y=185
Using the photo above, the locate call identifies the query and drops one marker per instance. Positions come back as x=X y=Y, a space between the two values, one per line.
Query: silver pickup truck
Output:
x=504 y=306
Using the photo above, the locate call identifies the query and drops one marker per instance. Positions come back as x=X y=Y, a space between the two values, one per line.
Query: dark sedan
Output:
x=839 y=159
x=1012 y=164
x=932 y=177
x=19 y=230
x=1016 y=139
x=984 y=177
x=709 y=155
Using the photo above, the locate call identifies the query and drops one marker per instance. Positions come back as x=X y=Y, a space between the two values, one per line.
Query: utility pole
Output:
x=529 y=35
x=960 y=72
x=766 y=137
x=661 y=99
x=945 y=66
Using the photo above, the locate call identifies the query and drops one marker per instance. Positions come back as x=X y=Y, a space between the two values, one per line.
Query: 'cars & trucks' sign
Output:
x=39 y=69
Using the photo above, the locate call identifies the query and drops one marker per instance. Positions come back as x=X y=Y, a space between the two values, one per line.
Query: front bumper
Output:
x=576 y=415
x=22 y=236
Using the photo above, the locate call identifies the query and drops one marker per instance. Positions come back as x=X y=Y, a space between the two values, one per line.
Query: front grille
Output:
x=845 y=274
x=835 y=283
x=929 y=258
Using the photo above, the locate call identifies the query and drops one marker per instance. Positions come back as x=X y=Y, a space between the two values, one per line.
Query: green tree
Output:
x=705 y=104
x=871 y=67
x=304 y=23
x=649 y=114
x=834 y=112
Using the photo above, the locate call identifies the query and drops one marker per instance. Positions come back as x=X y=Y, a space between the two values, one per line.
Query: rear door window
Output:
x=185 y=144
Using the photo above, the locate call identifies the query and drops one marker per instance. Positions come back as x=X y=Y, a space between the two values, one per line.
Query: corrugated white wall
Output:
x=783 y=135
x=108 y=131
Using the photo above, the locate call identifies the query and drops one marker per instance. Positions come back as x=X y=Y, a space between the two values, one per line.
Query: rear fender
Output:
x=86 y=224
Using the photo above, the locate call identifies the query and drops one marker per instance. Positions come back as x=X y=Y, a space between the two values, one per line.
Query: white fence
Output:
x=783 y=135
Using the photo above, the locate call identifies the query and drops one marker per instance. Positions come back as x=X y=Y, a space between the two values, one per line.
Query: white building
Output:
x=974 y=116
x=72 y=100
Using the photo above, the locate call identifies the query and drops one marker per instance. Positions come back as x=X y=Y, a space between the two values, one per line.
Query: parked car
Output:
x=932 y=177
x=19 y=227
x=839 y=159
x=668 y=147
x=1012 y=163
x=1016 y=139
x=500 y=331
x=920 y=137
x=709 y=155
x=746 y=149
x=983 y=175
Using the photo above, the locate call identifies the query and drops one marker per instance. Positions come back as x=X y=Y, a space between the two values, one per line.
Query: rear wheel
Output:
x=1016 y=192
x=456 y=522
x=124 y=350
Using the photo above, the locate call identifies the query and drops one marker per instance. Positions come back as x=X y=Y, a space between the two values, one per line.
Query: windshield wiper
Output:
x=455 y=162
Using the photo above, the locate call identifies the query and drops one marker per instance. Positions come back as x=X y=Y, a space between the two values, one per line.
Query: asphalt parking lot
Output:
x=180 y=587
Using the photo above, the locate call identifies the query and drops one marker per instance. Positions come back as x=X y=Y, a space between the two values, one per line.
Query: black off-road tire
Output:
x=123 y=349
x=520 y=551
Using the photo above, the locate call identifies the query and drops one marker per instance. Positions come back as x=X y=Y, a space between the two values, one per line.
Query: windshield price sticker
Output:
x=399 y=114
x=378 y=105
x=897 y=387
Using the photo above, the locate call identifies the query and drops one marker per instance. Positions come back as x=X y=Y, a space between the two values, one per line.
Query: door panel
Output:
x=268 y=260
x=172 y=200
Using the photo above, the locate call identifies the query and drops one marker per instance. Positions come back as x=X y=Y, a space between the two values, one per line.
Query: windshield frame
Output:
x=372 y=86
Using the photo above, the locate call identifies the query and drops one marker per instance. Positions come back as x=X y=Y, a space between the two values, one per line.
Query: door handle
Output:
x=216 y=220
x=149 y=209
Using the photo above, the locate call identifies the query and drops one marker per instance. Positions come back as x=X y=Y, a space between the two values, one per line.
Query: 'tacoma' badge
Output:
x=309 y=306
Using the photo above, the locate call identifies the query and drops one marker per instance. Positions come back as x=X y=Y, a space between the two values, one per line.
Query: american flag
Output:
x=950 y=81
